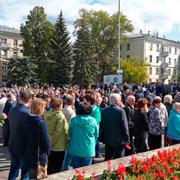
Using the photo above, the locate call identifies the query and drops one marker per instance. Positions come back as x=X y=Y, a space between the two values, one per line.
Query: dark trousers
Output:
x=112 y=152
x=6 y=132
x=154 y=141
x=55 y=161
x=140 y=145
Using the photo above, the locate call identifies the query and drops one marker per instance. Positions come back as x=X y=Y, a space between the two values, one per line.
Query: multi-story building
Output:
x=10 y=45
x=162 y=55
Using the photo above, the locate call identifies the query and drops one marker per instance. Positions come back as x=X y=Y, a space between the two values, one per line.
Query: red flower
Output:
x=174 y=177
x=121 y=169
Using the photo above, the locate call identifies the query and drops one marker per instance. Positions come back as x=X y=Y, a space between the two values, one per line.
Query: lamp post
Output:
x=119 y=35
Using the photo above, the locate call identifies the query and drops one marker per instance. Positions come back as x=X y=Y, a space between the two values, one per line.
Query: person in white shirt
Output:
x=68 y=110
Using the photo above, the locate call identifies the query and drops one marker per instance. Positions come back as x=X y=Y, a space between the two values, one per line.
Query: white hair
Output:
x=113 y=98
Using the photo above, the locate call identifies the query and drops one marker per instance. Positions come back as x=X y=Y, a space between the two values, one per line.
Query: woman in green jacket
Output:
x=83 y=132
x=57 y=131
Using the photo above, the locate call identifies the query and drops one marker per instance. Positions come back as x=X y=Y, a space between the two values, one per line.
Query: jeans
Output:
x=81 y=161
x=67 y=161
x=18 y=162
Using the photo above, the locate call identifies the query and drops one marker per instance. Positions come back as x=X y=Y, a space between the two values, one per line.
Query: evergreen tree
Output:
x=61 y=53
x=83 y=57
x=21 y=71
x=37 y=34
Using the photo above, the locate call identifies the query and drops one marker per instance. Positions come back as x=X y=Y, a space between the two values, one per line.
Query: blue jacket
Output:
x=17 y=140
x=173 y=128
x=37 y=140
x=83 y=132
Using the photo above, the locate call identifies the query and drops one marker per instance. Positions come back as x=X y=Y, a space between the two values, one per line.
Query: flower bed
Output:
x=164 y=165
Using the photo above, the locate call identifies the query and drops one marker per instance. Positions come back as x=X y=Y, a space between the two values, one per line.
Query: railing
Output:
x=100 y=167
x=4 y=46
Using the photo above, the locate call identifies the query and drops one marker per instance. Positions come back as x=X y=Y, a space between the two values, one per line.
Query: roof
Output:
x=8 y=29
x=152 y=37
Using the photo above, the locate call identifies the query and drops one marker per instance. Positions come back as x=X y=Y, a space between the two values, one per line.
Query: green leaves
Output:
x=22 y=71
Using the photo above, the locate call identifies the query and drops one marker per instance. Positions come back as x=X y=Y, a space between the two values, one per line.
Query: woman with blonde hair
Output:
x=38 y=144
x=173 y=128
x=57 y=131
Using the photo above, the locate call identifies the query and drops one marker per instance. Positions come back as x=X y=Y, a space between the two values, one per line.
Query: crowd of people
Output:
x=48 y=130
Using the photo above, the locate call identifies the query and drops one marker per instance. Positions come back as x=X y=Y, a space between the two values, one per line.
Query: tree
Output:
x=21 y=71
x=103 y=32
x=134 y=70
x=37 y=34
x=83 y=57
x=62 y=53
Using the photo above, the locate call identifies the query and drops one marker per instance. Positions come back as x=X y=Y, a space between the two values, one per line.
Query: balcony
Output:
x=164 y=64
x=164 y=53
x=164 y=76
x=4 y=46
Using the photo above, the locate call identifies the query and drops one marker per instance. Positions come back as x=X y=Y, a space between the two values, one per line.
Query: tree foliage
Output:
x=61 y=53
x=21 y=71
x=103 y=32
x=83 y=57
x=134 y=70
x=37 y=34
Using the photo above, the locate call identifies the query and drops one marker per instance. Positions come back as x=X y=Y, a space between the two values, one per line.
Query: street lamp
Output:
x=119 y=36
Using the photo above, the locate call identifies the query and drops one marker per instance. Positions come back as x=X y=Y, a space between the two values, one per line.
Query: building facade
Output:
x=10 y=45
x=162 y=55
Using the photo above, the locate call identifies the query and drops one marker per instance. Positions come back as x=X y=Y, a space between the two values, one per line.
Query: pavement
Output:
x=4 y=161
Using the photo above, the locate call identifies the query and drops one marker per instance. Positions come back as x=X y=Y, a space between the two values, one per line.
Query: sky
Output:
x=160 y=16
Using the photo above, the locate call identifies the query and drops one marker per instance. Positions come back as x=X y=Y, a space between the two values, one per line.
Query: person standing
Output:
x=173 y=128
x=129 y=109
x=114 y=128
x=57 y=131
x=83 y=133
x=17 y=140
x=141 y=125
x=8 y=106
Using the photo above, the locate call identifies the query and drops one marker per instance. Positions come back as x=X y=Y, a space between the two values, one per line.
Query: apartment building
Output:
x=162 y=55
x=10 y=45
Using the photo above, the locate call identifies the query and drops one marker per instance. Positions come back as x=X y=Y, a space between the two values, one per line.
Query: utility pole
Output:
x=119 y=36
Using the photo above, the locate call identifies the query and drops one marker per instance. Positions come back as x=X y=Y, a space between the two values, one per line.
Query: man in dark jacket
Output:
x=8 y=106
x=129 y=109
x=114 y=128
x=17 y=140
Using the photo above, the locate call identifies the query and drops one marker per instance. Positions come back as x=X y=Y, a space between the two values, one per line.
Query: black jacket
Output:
x=140 y=124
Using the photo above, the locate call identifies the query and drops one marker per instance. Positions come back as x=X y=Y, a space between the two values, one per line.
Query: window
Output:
x=157 y=47
x=175 y=50
x=128 y=46
x=169 y=49
x=174 y=62
x=5 y=67
x=151 y=47
x=157 y=71
x=3 y=40
x=157 y=59
x=169 y=60
x=15 y=42
x=169 y=72
x=120 y=47
x=150 y=58
x=150 y=70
